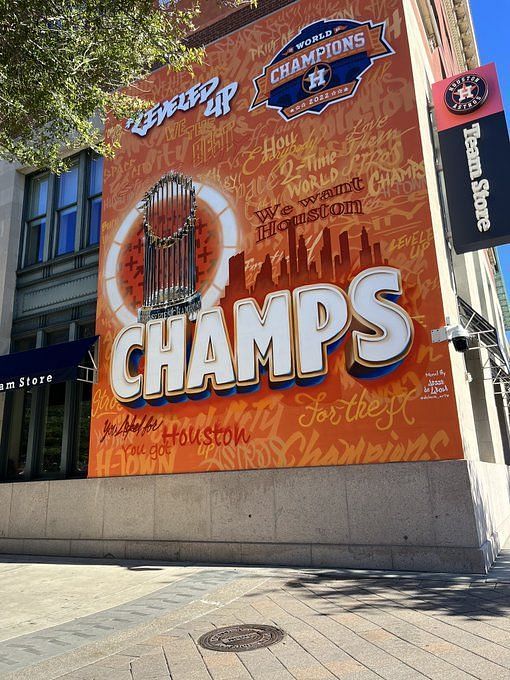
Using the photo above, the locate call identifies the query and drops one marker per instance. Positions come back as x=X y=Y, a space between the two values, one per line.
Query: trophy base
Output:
x=189 y=306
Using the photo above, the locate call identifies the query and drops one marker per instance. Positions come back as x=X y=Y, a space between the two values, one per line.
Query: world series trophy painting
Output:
x=170 y=276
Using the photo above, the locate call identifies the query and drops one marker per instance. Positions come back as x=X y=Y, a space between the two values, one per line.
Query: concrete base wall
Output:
x=438 y=516
x=490 y=486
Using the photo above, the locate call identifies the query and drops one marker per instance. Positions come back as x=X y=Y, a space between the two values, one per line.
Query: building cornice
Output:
x=460 y=29
x=462 y=33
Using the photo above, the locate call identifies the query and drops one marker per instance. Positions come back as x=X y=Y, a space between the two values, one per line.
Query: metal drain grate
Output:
x=243 y=638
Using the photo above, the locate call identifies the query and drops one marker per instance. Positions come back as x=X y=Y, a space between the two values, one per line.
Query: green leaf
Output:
x=65 y=64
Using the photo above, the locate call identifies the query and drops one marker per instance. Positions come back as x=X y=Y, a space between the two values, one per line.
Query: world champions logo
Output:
x=322 y=65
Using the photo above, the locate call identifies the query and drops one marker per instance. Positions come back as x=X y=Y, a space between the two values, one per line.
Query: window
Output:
x=24 y=344
x=82 y=394
x=95 y=184
x=87 y=330
x=17 y=443
x=84 y=409
x=63 y=212
x=56 y=337
x=20 y=411
x=54 y=427
x=67 y=210
x=25 y=424
x=36 y=220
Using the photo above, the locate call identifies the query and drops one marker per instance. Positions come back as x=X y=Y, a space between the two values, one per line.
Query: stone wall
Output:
x=434 y=516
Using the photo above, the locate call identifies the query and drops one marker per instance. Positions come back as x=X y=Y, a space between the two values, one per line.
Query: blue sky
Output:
x=492 y=21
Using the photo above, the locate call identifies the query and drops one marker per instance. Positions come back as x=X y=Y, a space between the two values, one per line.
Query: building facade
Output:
x=269 y=267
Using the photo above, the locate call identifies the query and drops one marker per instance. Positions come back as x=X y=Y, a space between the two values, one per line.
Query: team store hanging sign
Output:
x=475 y=149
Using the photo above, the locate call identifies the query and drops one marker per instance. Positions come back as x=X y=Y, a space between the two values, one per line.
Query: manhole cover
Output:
x=241 y=638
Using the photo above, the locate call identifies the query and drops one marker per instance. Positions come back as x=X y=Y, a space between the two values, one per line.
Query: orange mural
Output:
x=309 y=260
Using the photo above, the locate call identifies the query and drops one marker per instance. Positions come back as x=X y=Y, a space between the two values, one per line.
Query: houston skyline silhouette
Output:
x=296 y=269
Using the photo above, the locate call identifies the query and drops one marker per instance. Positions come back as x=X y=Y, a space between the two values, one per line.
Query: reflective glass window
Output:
x=24 y=344
x=56 y=337
x=63 y=212
x=68 y=187
x=83 y=431
x=95 y=175
x=18 y=443
x=66 y=231
x=36 y=230
x=95 y=220
x=54 y=426
x=38 y=196
x=94 y=199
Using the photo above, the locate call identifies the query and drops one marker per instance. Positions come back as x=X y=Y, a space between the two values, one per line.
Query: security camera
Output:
x=459 y=336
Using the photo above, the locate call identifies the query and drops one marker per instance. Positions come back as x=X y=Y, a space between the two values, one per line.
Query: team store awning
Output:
x=48 y=365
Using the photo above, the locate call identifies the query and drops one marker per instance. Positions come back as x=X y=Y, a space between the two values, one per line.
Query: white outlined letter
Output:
x=264 y=337
x=211 y=354
x=384 y=331
x=125 y=386
x=322 y=317
x=165 y=351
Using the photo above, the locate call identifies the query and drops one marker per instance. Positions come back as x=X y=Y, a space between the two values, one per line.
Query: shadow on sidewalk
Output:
x=474 y=598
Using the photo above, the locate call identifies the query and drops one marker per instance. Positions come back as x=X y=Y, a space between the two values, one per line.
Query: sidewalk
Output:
x=131 y=621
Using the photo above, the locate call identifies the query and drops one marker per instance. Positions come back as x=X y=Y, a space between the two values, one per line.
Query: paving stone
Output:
x=457 y=645
x=300 y=664
x=115 y=661
x=338 y=625
x=457 y=633
x=184 y=659
x=364 y=652
x=262 y=664
x=98 y=673
x=150 y=666
x=424 y=662
x=224 y=665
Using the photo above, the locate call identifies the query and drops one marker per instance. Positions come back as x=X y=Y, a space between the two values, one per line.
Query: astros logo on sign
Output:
x=322 y=65
x=466 y=94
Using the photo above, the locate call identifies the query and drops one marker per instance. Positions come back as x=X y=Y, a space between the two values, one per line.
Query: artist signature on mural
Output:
x=131 y=425
x=436 y=387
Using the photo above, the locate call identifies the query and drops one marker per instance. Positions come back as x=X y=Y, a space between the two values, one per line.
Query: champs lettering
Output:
x=291 y=336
